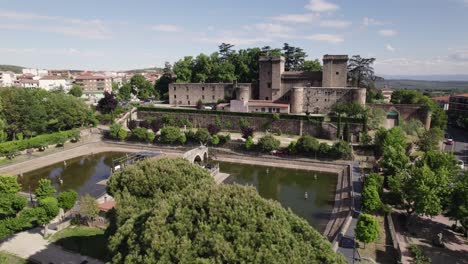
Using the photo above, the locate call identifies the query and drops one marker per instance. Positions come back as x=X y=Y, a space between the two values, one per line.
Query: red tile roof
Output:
x=441 y=98
x=90 y=77
x=106 y=206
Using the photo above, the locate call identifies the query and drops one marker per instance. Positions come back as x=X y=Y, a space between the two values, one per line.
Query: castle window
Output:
x=187 y=97
x=212 y=97
x=203 y=97
x=174 y=88
x=269 y=85
x=337 y=73
x=188 y=102
x=213 y=89
x=175 y=96
x=203 y=88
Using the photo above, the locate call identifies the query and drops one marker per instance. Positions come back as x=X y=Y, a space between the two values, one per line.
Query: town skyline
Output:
x=400 y=35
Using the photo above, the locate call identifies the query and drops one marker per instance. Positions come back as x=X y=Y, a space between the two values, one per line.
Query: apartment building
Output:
x=7 y=78
x=93 y=84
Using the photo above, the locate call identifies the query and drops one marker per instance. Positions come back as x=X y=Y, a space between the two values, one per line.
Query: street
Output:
x=460 y=145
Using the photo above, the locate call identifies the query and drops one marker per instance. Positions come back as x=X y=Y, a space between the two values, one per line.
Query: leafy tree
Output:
x=294 y=57
x=183 y=69
x=170 y=135
x=125 y=92
x=268 y=143
x=45 y=189
x=76 y=91
x=247 y=131
x=51 y=207
x=9 y=185
x=394 y=160
x=360 y=71
x=215 y=140
x=202 y=135
x=162 y=84
x=67 y=199
x=458 y=204
x=213 y=129
x=307 y=145
x=376 y=117
x=394 y=137
x=312 y=65
x=88 y=207
x=226 y=223
x=132 y=124
x=199 y=104
x=342 y=150
x=371 y=199
x=118 y=132
x=429 y=139
x=107 y=104
x=141 y=87
x=367 y=229
x=346 y=133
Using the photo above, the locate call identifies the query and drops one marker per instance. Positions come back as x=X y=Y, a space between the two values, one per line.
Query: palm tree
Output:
x=360 y=71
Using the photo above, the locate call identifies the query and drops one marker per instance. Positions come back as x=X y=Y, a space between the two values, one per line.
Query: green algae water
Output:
x=288 y=186
x=84 y=174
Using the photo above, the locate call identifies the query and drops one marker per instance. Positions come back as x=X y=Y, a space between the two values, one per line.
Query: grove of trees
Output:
x=172 y=211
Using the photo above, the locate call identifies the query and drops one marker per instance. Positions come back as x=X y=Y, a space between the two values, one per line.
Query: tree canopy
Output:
x=171 y=211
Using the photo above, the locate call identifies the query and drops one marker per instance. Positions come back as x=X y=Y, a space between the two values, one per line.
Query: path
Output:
x=31 y=245
x=347 y=243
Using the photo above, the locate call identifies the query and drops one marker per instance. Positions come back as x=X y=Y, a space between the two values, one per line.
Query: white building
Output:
x=35 y=72
x=7 y=78
x=54 y=82
x=27 y=83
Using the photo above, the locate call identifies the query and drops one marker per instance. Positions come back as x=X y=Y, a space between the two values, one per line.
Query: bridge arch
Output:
x=197 y=155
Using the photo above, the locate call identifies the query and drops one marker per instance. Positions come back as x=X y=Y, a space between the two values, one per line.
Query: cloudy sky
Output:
x=414 y=37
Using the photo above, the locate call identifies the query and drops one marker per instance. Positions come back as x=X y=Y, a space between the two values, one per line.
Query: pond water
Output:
x=83 y=174
x=288 y=186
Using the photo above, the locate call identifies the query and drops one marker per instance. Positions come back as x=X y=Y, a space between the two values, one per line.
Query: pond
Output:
x=288 y=186
x=83 y=174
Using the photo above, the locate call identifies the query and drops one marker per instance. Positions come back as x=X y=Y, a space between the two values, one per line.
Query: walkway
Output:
x=347 y=243
x=31 y=245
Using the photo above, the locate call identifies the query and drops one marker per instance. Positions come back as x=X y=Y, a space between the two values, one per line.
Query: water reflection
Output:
x=288 y=186
x=81 y=174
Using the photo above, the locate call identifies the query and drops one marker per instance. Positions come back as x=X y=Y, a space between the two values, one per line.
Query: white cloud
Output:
x=335 y=23
x=387 y=32
x=166 y=28
x=390 y=48
x=321 y=6
x=459 y=55
x=297 y=18
x=330 y=38
x=268 y=28
x=91 y=29
x=367 y=21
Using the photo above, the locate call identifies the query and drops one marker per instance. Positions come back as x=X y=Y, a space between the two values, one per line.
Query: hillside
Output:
x=461 y=86
x=154 y=69
x=13 y=68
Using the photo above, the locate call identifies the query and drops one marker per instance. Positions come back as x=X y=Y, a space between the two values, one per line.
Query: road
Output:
x=460 y=146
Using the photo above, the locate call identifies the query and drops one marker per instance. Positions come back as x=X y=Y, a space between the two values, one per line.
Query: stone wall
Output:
x=407 y=112
x=287 y=126
x=190 y=93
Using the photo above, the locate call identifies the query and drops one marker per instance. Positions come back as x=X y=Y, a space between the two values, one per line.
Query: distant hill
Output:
x=13 y=68
x=156 y=69
x=434 y=77
x=456 y=86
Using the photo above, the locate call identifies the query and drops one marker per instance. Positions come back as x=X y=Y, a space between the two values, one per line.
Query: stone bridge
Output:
x=198 y=154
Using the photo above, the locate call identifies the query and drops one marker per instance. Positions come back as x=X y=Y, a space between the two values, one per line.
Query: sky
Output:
x=407 y=37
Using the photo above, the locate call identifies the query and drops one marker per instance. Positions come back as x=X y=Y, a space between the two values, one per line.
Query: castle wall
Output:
x=407 y=112
x=190 y=93
x=270 y=70
x=320 y=100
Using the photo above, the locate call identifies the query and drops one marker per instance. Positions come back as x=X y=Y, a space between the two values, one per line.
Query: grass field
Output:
x=84 y=240
x=6 y=258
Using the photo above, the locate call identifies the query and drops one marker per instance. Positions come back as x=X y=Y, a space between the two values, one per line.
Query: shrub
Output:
x=341 y=150
x=292 y=147
x=45 y=189
x=171 y=135
x=307 y=145
x=182 y=139
x=244 y=123
x=367 y=229
x=168 y=120
x=370 y=199
x=139 y=133
x=199 y=104
x=202 y=135
x=215 y=140
x=51 y=207
x=268 y=143
x=249 y=143
x=213 y=129
x=324 y=150
x=144 y=124
x=418 y=255
x=247 y=132
x=132 y=124
x=224 y=139
x=118 y=132
x=67 y=199
x=156 y=125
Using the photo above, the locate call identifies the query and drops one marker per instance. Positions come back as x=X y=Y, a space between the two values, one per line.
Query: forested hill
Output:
x=13 y=68
x=424 y=85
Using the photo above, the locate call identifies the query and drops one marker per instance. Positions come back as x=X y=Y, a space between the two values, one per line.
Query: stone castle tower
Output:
x=335 y=71
x=270 y=70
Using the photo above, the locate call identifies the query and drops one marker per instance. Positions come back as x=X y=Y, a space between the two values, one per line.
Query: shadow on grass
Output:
x=94 y=245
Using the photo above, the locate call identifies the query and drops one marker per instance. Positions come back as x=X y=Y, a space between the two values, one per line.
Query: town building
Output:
x=458 y=104
x=7 y=78
x=94 y=84
x=59 y=73
x=443 y=101
x=35 y=72
x=303 y=92
x=54 y=82
x=27 y=83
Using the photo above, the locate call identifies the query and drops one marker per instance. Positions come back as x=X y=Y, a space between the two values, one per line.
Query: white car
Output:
x=461 y=164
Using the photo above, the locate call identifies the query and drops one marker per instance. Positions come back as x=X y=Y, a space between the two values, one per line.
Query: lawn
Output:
x=11 y=259
x=84 y=240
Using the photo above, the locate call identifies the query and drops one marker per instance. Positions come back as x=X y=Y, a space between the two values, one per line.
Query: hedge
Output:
x=10 y=147
x=225 y=113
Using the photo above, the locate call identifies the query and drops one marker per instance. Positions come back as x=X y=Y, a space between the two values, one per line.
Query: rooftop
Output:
x=90 y=77
x=266 y=103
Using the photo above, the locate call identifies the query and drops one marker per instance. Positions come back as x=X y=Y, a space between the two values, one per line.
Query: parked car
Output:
x=449 y=141
x=461 y=164
x=277 y=153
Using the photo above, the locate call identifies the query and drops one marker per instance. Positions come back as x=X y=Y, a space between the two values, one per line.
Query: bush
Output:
x=247 y=131
x=213 y=129
x=67 y=199
x=171 y=135
x=268 y=143
x=182 y=139
x=143 y=134
x=45 y=189
x=341 y=150
x=202 y=135
x=249 y=143
x=215 y=140
x=51 y=207
x=156 y=125
x=224 y=139
x=324 y=150
x=117 y=132
x=292 y=147
x=307 y=145
x=199 y=104
x=132 y=124
x=418 y=255
x=367 y=229
x=370 y=199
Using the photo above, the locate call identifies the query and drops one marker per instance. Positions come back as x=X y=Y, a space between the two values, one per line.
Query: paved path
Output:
x=348 y=250
x=31 y=245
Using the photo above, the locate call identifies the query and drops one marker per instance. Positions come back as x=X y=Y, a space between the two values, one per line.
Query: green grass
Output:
x=84 y=240
x=11 y=259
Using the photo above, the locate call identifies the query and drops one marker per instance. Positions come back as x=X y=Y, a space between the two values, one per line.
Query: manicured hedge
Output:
x=10 y=147
x=225 y=113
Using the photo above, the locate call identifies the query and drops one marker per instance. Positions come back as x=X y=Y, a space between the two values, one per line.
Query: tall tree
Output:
x=294 y=57
x=76 y=91
x=162 y=84
x=360 y=71
x=312 y=65
x=107 y=104
x=367 y=229
x=183 y=69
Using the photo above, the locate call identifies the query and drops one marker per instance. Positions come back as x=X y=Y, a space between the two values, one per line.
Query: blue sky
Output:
x=413 y=37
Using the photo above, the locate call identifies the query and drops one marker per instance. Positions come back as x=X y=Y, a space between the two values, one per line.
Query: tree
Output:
x=141 y=87
x=430 y=139
x=199 y=104
x=360 y=71
x=268 y=143
x=51 y=207
x=183 y=69
x=394 y=137
x=162 y=84
x=371 y=199
x=76 y=91
x=117 y=132
x=202 y=135
x=367 y=229
x=312 y=65
x=458 y=203
x=342 y=150
x=125 y=92
x=88 y=207
x=45 y=189
x=107 y=104
x=249 y=143
x=346 y=133
x=67 y=199
x=307 y=145
x=10 y=202
x=213 y=129
x=225 y=223
x=170 y=135
x=394 y=160
x=294 y=57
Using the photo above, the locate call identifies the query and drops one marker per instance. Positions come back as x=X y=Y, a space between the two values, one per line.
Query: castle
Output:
x=278 y=91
